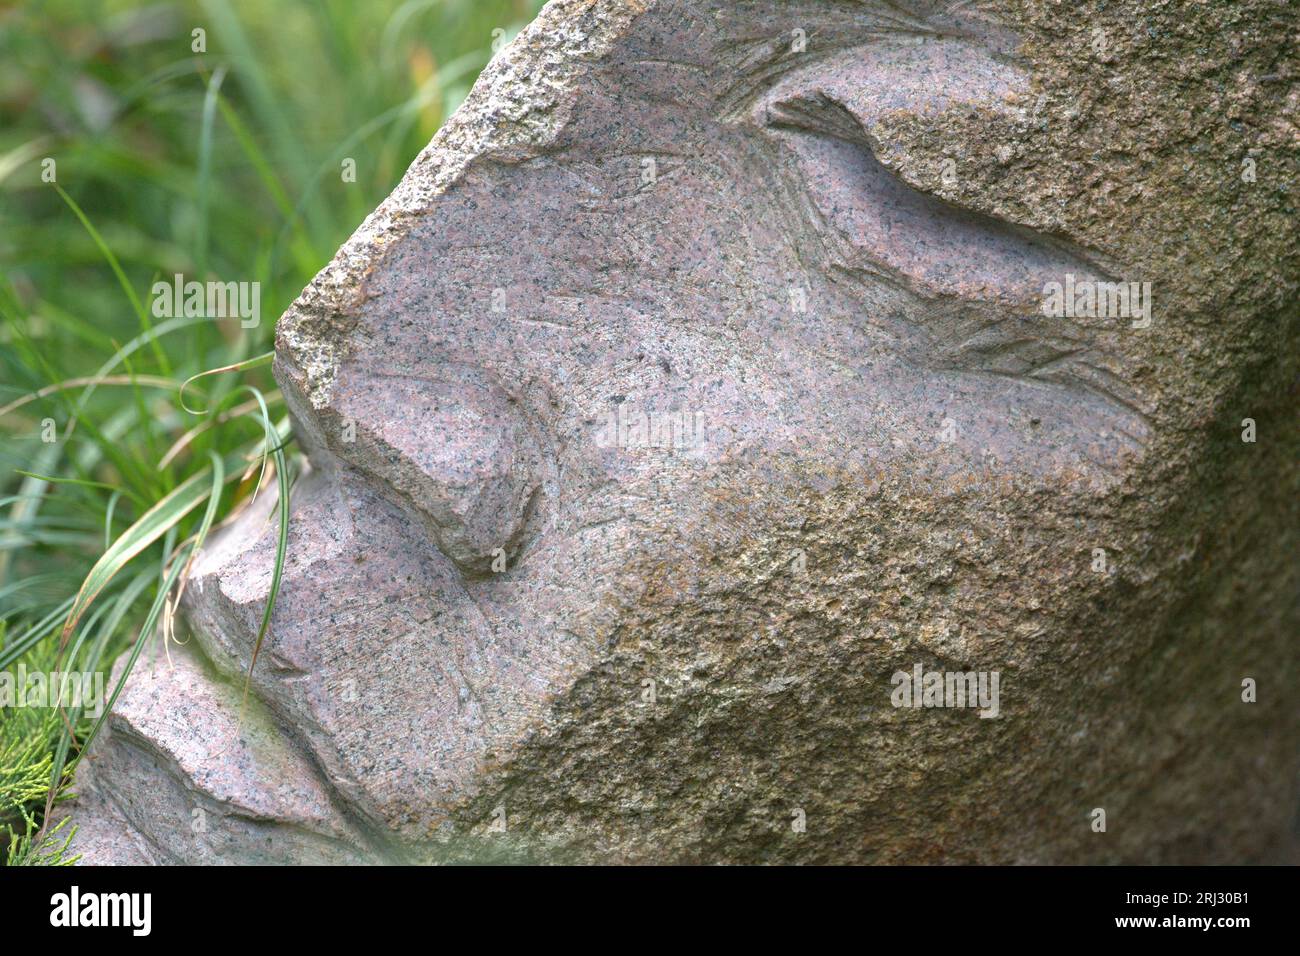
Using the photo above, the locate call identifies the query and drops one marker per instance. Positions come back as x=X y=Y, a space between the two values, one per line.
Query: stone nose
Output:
x=454 y=449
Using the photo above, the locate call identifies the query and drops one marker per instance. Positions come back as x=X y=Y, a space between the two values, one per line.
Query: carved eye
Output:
x=940 y=248
x=977 y=282
x=830 y=116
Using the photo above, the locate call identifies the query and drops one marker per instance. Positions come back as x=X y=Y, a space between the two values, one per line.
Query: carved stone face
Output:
x=698 y=380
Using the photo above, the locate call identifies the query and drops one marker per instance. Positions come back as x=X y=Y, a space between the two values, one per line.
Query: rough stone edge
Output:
x=517 y=108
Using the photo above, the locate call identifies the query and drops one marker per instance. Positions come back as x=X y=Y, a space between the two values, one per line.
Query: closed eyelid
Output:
x=939 y=248
x=943 y=249
x=921 y=77
x=978 y=281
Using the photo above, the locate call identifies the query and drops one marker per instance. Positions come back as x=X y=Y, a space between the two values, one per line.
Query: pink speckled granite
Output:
x=804 y=285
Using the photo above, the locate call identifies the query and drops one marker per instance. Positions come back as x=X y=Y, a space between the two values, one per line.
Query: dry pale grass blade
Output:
x=243 y=366
x=184 y=441
x=151 y=381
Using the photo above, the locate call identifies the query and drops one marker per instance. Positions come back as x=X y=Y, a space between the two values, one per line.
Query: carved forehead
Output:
x=677 y=103
x=556 y=230
x=656 y=83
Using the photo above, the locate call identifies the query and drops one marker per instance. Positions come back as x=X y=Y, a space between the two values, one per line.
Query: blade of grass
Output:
x=151 y=526
x=146 y=325
x=83 y=483
x=153 y=381
x=109 y=511
x=157 y=332
x=60 y=766
x=282 y=540
x=237 y=412
x=265 y=104
x=35 y=634
x=256 y=362
x=205 y=172
x=178 y=570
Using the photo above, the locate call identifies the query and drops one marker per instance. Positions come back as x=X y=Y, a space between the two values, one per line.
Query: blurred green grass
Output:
x=225 y=164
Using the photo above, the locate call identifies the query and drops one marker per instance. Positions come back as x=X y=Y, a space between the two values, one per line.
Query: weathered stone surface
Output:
x=694 y=382
x=177 y=777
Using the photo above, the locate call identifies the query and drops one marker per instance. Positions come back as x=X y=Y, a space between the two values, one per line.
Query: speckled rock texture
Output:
x=696 y=381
